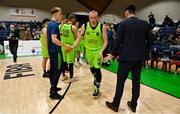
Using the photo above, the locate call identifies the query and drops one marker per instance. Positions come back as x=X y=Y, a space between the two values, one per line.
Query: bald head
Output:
x=12 y=27
x=93 y=17
x=93 y=12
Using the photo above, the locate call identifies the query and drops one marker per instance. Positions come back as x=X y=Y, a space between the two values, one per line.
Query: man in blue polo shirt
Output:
x=54 y=49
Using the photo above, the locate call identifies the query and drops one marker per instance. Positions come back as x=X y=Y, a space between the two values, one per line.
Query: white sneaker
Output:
x=64 y=78
x=73 y=79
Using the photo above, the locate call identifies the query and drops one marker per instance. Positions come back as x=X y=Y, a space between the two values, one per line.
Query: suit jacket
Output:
x=134 y=39
x=14 y=35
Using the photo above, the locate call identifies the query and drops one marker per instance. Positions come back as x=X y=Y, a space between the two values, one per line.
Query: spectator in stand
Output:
x=168 y=21
x=154 y=57
x=152 y=20
x=178 y=22
x=27 y=33
x=178 y=31
x=177 y=36
x=177 y=41
x=156 y=33
x=109 y=34
x=2 y=26
x=114 y=29
x=156 y=29
x=158 y=37
x=171 y=39
x=36 y=34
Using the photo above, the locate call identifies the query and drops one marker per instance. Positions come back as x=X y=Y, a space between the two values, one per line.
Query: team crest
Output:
x=88 y=33
x=97 y=33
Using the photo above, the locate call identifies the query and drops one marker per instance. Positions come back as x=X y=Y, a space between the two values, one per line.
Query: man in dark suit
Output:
x=133 y=43
x=13 y=41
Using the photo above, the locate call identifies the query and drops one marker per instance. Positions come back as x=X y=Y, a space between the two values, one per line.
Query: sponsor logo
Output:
x=97 y=33
x=88 y=33
x=18 y=71
x=7 y=46
x=33 y=50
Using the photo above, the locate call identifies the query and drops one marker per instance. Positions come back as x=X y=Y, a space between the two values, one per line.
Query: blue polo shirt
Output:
x=52 y=28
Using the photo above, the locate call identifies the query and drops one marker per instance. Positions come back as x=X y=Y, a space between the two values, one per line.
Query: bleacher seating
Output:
x=166 y=53
x=165 y=31
x=3 y=35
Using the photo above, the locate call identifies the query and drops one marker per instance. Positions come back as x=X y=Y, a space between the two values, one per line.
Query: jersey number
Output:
x=66 y=33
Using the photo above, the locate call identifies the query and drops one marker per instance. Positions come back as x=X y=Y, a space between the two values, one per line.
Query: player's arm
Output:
x=79 y=37
x=45 y=38
x=104 y=40
x=59 y=43
x=74 y=29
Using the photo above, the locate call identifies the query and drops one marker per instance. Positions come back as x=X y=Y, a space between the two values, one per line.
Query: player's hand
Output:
x=8 y=37
x=68 y=48
x=108 y=58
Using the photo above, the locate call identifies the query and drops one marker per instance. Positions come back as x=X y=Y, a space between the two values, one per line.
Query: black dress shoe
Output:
x=14 y=60
x=46 y=75
x=131 y=107
x=58 y=89
x=55 y=96
x=111 y=106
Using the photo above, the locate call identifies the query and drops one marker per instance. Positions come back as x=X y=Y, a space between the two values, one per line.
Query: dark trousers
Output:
x=123 y=70
x=13 y=46
x=56 y=62
x=97 y=74
x=71 y=69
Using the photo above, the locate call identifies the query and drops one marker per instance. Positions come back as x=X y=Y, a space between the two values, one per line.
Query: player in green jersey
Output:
x=95 y=38
x=69 y=35
x=43 y=41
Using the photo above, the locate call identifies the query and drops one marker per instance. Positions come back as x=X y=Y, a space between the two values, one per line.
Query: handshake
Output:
x=108 y=58
x=68 y=48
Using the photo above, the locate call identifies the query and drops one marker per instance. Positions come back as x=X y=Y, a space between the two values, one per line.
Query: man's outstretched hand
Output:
x=108 y=58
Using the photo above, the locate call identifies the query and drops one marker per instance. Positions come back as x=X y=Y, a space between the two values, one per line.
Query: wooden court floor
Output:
x=24 y=91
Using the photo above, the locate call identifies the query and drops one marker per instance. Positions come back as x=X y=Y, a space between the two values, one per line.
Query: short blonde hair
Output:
x=55 y=10
x=93 y=11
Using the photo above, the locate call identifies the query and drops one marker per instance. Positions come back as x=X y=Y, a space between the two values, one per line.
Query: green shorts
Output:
x=78 y=48
x=82 y=48
x=44 y=52
x=93 y=58
x=68 y=57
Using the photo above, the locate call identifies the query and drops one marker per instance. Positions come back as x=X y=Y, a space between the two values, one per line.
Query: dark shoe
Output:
x=15 y=60
x=96 y=93
x=131 y=107
x=58 y=89
x=111 y=106
x=55 y=96
x=45 y=75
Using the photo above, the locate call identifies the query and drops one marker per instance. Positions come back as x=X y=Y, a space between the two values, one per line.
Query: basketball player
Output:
x=43 y=41
x=80 y=47
x=65 y=67
x=78 y=51
x=55 y=53
x=69 y=35
x=95 y=38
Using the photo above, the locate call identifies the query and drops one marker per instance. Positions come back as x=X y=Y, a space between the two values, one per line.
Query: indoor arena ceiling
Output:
x=70 y=6
x=99 y=5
